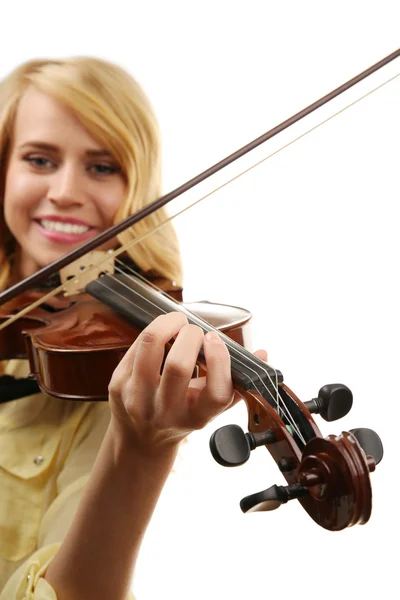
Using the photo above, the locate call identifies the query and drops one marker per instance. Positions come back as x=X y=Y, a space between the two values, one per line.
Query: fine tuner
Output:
x=230 y=446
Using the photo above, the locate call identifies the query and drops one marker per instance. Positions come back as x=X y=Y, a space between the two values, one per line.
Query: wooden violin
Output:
x=74 y=343
x=74 y=346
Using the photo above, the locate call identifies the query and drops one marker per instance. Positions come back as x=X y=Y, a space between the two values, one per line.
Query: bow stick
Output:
x=105 y=236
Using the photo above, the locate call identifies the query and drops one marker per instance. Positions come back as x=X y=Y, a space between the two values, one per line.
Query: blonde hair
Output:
x=113 y=108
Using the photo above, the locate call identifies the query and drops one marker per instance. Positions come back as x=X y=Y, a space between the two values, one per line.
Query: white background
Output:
x=308 y=243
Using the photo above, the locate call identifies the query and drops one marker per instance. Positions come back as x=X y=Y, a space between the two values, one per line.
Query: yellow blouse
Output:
x=47 y=449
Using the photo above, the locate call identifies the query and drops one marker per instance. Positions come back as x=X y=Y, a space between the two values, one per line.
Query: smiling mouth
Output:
x=68 y=228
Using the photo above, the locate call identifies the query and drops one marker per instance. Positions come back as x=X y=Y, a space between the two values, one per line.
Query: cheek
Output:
x=110 y=201
x=21 y=194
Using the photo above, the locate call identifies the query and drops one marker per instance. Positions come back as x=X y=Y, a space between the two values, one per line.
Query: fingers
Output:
x=217 y=394
x=179 y=366
x=219 y=380
x=148 y=354
x=137 y=376
x=173 y=402
x=262 y=355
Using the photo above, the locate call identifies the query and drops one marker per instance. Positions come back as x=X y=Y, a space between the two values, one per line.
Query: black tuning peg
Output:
x=231 y=447
x=272 y=498
x=370 y=442
x=334 y=402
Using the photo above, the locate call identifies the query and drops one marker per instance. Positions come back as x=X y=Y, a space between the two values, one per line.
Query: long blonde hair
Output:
x=113 y=108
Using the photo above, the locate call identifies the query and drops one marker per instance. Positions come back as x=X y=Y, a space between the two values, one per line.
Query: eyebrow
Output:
x=54 y=148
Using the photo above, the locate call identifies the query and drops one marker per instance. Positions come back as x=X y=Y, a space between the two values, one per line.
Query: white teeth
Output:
x=63 y=227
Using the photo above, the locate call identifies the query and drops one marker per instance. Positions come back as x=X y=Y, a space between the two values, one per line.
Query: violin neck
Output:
x=140 y=304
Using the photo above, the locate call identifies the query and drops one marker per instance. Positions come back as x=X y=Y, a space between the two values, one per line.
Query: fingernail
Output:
x=213 y=337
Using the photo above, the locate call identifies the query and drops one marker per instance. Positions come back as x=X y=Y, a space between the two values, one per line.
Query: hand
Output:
x=153 y=409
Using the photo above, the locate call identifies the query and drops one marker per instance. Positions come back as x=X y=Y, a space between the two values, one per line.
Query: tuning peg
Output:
x=231 y=447
x=334 y=402
x=370 y=442
x=272 y=498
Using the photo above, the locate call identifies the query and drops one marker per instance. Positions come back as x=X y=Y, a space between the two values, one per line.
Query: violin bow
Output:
x=144 y=212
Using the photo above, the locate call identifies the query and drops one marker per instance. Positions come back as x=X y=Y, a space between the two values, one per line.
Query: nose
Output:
x=65 y=187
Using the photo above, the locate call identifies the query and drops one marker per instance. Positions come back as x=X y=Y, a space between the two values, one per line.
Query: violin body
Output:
x=74 y=344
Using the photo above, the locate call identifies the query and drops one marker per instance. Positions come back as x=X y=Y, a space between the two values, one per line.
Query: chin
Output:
x=46 y=259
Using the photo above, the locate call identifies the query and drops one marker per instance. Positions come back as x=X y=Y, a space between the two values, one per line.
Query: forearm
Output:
x=98 y=555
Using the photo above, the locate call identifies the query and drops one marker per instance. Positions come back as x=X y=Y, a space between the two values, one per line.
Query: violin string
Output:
x=228 y=341
x=140 y=238
x=245 y=355
x=60 y=288
x=204 y=326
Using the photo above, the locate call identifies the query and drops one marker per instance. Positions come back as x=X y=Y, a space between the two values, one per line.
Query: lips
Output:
x=64 y=230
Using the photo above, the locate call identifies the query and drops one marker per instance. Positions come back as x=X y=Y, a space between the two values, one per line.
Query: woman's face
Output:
x=61 y=186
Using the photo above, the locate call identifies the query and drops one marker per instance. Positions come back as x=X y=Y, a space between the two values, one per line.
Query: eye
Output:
x=39 y=161
x=104 y=169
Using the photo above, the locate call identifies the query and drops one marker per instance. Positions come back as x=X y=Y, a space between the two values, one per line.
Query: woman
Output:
x=79 y=481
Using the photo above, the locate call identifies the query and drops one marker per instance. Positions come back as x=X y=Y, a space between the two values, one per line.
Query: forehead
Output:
x=41 y=117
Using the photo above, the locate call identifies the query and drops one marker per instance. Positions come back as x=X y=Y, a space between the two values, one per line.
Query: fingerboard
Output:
x=140 y=304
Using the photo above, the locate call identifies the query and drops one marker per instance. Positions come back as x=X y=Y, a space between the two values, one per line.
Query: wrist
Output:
x=142 y=444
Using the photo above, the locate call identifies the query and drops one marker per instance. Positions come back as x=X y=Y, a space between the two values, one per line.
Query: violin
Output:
x=75 y=335
x=74 y=343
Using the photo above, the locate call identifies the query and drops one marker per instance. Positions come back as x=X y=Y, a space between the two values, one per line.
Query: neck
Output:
x=140 y=304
